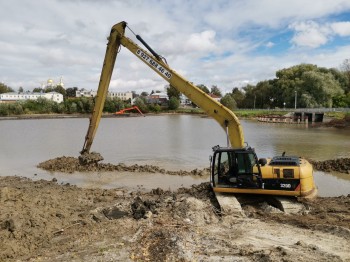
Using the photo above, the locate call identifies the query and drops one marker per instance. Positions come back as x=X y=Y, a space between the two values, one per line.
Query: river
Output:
x=170 y=141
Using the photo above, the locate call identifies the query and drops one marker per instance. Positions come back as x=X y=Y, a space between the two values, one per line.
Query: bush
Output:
x=15 y=109
x=154 y=108
x=4 y=110
x=173 y=103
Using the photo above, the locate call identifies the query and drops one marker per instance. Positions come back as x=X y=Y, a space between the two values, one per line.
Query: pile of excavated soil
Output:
x=339 y=123
x=340 y=165
x=44 y=221
x=72 y=164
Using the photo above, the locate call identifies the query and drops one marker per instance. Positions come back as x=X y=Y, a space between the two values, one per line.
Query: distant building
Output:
x=14 y=97
x=51 y=84
x=122 y=95
x=158 y=98
x=184 y=100
x=85 y=93
x=92 y=93
x=215 y=97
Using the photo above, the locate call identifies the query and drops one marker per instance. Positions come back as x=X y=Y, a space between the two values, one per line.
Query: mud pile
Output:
x=340 y=165
x=339 y=123
x=71 y=164
x=44 y=221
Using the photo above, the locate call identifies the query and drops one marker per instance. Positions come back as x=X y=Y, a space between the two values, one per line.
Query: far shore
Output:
x=58 y=116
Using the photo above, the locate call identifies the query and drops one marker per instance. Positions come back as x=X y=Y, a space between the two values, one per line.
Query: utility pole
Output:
x=295 y=100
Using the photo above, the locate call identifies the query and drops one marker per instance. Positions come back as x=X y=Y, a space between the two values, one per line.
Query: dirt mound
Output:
x=339 y=123
x=44 y=221
x=71 y=164
x=340 y=165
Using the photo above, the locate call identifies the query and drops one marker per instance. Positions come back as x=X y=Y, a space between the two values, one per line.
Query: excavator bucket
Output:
x=90 y=158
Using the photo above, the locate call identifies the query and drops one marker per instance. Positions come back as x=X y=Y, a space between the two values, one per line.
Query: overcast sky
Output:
x=227 y=43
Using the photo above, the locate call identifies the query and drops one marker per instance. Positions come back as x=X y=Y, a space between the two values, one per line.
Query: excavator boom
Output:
x=225 y=117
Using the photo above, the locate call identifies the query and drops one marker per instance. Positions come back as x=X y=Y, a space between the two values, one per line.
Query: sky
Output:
x=226 y=43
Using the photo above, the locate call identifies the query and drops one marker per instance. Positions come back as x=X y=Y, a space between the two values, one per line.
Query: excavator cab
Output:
x=235 y=168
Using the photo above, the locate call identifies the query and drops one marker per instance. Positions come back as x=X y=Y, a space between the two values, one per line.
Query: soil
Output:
x=72 y=164
x=46 y=221
x=341 y=165
x=339 y=123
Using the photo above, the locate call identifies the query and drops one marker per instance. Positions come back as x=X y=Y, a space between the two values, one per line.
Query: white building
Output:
x=85 y=93
x=122 y=95
x=14 y=97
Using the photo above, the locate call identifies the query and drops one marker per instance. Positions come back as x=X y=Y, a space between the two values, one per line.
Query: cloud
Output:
x=202 y=42
x=310 y=34
x=269 y=44
x=341 y=28
x=209 y=42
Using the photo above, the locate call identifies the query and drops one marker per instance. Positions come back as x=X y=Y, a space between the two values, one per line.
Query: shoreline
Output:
x=106 y=115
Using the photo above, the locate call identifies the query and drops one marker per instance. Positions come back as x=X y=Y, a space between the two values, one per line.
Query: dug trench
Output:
x=46 y=221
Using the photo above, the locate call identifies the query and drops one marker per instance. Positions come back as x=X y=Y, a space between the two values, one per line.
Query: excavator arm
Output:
x=225 y=117
x=120 y=112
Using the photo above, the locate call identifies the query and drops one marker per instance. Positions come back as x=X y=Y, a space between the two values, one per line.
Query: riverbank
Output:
x=45 y=221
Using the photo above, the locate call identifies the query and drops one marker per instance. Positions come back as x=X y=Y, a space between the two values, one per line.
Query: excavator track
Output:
x=231 y=204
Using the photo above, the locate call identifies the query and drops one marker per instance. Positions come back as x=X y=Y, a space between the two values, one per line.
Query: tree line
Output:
x=301 y=86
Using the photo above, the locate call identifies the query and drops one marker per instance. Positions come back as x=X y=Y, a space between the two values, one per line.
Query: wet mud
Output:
x=341 y=165
x=44 y=221
x=71 y=164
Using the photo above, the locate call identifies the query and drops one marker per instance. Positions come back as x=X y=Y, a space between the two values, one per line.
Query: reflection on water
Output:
x=173 y=142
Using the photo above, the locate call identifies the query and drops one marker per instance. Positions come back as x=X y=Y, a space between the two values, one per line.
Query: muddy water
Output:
x=172 y=142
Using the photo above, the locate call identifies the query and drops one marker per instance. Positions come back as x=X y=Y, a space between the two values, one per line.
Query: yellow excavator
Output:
x=234 y=168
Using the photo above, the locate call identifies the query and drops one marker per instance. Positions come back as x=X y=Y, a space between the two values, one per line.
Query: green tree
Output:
x=113 y=104
x=250 y=96
x=238 y=96
x=216 y=91
x=144 y=93
x=228 y=101
x=345 y=68
x=4 y=109
x=341 y=101
x=321 y=86
x=173 y=103
x=172 y=92
x=20 y=90
x=71 y=91
x=72 y=108
x=15 y=109
x=38 y=90
x=140 y=102
x=203 y=88
x=61 y=90
x=5 y=89
x=154 y=108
